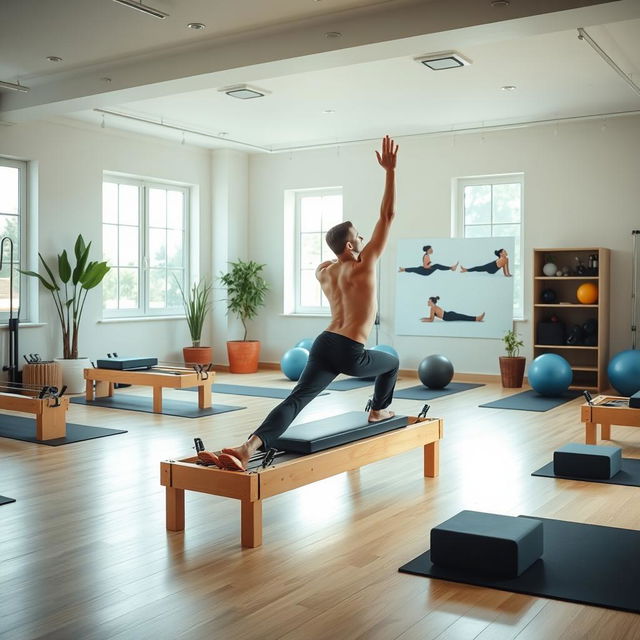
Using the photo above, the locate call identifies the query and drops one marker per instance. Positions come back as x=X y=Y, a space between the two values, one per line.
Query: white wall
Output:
x=70 y=161
x=581 y=189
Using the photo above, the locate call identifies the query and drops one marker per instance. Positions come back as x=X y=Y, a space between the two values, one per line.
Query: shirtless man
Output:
x=349 y=283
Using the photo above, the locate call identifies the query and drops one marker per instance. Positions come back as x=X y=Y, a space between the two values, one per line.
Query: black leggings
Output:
x=427 y=272
x=490 y=267
x=454 y=315
x=330 y=355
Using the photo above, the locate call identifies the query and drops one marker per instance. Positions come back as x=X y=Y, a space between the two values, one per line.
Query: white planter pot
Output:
x=73 y=373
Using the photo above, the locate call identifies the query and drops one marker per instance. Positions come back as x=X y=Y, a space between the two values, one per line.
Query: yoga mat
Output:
x=5 y=500
x=349 y=383
x=582 y=563
x=531 y=401
x=242 y=390
x=21 y=428
x=629 y=474
x=145 y=404
x=420 y=392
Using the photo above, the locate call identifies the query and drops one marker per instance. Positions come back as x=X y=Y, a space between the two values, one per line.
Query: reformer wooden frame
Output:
x=51 y=419
x=252 y=487
x=182 y=378
x=595 y=414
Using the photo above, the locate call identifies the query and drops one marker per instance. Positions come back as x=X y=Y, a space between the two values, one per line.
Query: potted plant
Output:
x=69 y=292
x=196 y=308
x=246 y=290
x=512 y=365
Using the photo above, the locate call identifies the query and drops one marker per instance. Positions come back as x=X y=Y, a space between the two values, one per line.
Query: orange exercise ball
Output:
x=587 y=293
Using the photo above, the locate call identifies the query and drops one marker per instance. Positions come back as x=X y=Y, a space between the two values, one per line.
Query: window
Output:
x=316 y=211
x=491 y=207
x=145 y=242
x=12 y=225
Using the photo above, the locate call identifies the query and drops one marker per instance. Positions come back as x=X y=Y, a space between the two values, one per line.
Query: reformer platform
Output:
x=290 y=471
x=50 y=412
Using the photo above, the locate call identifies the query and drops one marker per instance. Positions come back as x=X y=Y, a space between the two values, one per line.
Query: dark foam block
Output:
x=588 y=460
x=420 y=392
x=629 y=474
x=531 y=401
x=145 y=404
x=309 y=437
x=5 y=500
x=582 y=563
x=126 y=364
x=21 y=428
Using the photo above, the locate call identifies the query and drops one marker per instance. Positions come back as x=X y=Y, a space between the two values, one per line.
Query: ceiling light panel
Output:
x=443 y=60
x=244 y=92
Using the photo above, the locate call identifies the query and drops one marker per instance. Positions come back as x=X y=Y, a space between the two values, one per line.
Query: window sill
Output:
x=25 y=325
x=139 y=319
x=305 y=315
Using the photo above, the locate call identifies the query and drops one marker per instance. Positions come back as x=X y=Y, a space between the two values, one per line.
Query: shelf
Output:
x=563 y=346
x=577 y=368
x=568 y=306
x=582 y=387
x=566 y=277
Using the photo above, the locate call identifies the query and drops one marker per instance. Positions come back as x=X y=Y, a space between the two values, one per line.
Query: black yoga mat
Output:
x=629 y=474
x=5 y=500
x=420 y=392
x=349 y=383
x=242 y=390
x=21 y=428
x=582 y=563
x=531 y=401
x=145 y=404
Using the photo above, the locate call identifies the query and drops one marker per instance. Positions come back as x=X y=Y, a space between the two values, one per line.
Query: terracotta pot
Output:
x=197 y=355
x=512 y=371
x=243 y=355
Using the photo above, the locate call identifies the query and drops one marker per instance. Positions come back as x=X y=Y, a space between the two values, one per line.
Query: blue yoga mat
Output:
x=531 y=401
x=629 y=474
x=349 y=383
x=420 y=392
x=243 y=390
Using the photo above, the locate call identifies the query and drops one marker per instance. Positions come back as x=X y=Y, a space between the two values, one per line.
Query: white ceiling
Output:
x=367 y=79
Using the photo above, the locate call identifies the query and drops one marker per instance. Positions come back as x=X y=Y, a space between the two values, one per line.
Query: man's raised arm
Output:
x=387 y=160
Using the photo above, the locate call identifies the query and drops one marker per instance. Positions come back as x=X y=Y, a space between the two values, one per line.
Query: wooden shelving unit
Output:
x=589 y=363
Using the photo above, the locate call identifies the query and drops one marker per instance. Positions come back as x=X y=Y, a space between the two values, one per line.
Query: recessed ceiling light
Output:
x=443 y=60
x=223 y=133
x=143 y=8
x=329 y=111
x=332 y=34
x=54 y=59
x=244 y=92
x=500 y=3
x=105 y=79
x=196 y=26
x=14 y=86
x=508 y=87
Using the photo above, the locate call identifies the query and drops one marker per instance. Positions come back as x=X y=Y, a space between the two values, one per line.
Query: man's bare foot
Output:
x=454 y=266
x=462 y=269
x=381 y=414
x=480 y=318
x=208 y=457
x=236 y=458
x=400 y=269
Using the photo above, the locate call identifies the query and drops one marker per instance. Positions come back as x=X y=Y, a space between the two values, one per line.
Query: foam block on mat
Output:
x=309 y=437
x=587 y=460
x=628 y=476
x=487 y=543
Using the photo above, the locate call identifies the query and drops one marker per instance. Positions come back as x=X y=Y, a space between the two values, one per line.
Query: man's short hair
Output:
x=337 y=237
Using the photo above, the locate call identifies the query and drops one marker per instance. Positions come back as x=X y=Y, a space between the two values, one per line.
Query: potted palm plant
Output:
x=196 y=308
x=512 y=365
x=246 y=290
x=69 y=292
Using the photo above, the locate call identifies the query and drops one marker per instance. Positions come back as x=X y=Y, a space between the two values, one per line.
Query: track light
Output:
x=14 y=87
x=143 y=8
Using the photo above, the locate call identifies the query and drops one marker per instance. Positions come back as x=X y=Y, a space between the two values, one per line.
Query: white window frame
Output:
x=144 y=310
x=458 y=227
x=298 y=308
x=23 y=225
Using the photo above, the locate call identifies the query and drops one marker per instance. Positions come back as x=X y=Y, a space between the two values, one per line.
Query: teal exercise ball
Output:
x=293 y=362
x=550 y=374
x=385 y=348
x=305 y=343
x=624 y=372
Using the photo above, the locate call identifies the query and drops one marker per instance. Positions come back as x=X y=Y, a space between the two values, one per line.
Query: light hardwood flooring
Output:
x=85 y=555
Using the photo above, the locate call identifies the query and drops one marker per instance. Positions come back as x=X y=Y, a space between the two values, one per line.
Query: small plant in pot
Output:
x=246 y=290
x=512 y=365
x=69 y=292
x=196 y=308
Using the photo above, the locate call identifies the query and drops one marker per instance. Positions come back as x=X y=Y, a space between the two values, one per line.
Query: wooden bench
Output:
x=50 y=413
x=607 y=411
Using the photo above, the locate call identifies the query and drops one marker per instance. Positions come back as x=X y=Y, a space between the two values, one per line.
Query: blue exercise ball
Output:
x=305 y=343
x=550 y=374
x=624 y=372
x=386 y=349
x=435 y=371
x=293 y=362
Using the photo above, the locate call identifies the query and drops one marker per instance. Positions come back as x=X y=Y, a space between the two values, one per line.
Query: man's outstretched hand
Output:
x=387 y=158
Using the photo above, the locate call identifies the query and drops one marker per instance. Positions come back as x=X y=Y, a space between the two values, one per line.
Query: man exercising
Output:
x=349 y=283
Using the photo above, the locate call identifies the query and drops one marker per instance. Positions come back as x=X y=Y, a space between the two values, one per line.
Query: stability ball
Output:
x=293 y=362
x=587 y=293
x=305 y=343
x=624 y=372
x=435 y=371
x=386 y=349
x=550 y=374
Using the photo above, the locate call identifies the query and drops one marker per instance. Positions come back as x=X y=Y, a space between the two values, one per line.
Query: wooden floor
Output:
x=85 y=555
